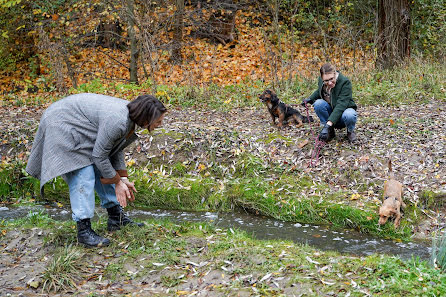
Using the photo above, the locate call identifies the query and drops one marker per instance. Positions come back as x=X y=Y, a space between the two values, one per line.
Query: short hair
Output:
x=327 y=68
x=145 y=109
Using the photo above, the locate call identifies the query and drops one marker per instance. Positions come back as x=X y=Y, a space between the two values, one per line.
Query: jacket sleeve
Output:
x=342 y=103
x=118 y=161
x=109 y=134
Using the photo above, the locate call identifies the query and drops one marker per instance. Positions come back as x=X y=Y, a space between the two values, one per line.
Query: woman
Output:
x=81 y=138
x=333 y=104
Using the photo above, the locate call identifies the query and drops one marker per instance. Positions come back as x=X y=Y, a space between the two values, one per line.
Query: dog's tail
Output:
x=389 y=164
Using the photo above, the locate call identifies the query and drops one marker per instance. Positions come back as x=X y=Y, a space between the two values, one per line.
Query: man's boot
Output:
x=331 y=133
x=87 y=236
x=117 y=218
x=351 y=136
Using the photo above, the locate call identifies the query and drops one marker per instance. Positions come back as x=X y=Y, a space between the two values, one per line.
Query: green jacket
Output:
x=341 y=97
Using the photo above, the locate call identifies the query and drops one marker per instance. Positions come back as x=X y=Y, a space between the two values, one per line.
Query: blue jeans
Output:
x=324 y=110
x=82 y=183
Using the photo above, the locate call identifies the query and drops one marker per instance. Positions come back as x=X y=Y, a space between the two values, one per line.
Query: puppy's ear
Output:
x=274 y=96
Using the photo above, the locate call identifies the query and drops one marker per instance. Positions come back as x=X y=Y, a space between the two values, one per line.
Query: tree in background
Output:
x=178 y=27
x=393 y=32
x=134 y=50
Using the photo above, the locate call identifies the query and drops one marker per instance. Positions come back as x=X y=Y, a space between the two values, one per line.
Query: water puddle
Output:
x=321 y=237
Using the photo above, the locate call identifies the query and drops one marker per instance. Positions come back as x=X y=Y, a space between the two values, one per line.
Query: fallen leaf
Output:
x=303 y=143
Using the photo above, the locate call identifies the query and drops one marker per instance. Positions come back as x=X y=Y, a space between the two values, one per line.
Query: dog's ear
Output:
x=274 y=97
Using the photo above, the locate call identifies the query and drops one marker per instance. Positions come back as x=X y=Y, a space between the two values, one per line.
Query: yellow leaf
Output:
x=355 y=197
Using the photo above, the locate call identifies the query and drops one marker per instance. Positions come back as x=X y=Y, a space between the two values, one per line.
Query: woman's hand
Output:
x=124 y=190
x=131 y=187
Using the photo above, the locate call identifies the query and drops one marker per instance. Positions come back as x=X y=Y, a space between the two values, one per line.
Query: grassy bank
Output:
x=182 y=259
x=253 y=187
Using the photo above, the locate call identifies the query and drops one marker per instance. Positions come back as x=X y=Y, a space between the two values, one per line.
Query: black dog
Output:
x=284 y=112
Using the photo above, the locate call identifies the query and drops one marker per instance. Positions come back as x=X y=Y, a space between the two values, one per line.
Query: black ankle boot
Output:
x=331 y=133
x=117 y=218
x=87 y=236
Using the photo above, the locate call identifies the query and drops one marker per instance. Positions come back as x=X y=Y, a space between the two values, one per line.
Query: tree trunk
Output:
x=393 y=32
x=178 y=33
x=133 y=43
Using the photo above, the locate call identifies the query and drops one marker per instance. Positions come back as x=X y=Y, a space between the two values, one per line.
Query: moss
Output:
x=275 y=136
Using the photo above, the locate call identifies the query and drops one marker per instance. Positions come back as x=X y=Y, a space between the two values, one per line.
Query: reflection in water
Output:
x=320 y=237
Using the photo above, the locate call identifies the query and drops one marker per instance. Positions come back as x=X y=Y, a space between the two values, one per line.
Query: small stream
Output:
x=321 y=237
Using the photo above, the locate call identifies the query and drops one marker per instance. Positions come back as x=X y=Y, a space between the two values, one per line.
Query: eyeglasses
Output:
x=329 y=80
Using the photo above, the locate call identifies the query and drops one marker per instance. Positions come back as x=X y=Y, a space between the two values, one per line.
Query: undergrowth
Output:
x=417 y=81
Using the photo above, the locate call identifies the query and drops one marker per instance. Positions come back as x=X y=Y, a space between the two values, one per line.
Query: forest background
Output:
x=50 y=47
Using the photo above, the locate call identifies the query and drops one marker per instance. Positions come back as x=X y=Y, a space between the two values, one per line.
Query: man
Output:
x=333 y=104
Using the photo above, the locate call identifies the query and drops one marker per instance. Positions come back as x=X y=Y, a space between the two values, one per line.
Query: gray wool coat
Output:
x=78 y=131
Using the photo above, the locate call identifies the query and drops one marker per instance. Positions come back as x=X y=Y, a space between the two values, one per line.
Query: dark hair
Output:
x=327 y=68
x=145 y=109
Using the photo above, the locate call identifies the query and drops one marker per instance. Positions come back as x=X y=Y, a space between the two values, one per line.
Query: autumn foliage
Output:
x=52 y=48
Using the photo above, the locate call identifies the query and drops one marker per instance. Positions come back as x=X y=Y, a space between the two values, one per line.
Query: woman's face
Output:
x=155 y=124
x=329 y=79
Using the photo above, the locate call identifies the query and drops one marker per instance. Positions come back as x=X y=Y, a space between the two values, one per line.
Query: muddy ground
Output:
x=25 y=257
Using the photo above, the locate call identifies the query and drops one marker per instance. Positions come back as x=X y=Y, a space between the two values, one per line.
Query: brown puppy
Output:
x=282 y=111
x=392 y=200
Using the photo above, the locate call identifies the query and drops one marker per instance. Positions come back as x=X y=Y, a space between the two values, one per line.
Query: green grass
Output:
x=62 y=272
x=15 y=183
x=439 y=252
x=415 y=82
x=251 y=185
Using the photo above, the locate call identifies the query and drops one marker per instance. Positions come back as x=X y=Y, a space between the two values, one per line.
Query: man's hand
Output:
x=323 y=136
x=305 y=102
x=124 y=192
